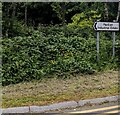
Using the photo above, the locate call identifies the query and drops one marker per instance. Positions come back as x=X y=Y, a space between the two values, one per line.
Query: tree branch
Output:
x=118 y=14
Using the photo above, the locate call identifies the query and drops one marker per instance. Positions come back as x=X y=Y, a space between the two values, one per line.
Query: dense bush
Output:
x=41 y=55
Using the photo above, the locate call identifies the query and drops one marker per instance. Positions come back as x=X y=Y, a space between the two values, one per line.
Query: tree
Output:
x=118 y=14
x=16 y=14
x=106 y=10
x=25 y=14
x=60 y=10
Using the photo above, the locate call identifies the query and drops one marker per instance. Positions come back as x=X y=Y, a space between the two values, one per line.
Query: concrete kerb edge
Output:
x=16 y=110
x=62 y=105
x=98 y=100
x=53 y=106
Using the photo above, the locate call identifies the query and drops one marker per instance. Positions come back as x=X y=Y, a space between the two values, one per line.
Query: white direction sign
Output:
x=106 y=26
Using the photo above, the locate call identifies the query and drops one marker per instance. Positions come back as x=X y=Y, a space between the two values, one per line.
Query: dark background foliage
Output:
x=55 y=39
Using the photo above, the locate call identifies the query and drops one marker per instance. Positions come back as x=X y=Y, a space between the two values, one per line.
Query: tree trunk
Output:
x=106 y=11
x=0 y=20
x=63 y=13
x=26 y=14
x=8 y=22
x=14 y=10
x=118 y=14
x=10 y=30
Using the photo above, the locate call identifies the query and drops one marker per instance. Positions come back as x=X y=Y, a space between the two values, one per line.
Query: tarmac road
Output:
x=103 y=110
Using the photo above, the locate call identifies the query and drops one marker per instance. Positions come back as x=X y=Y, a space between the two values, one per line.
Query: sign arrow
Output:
x=95 y=26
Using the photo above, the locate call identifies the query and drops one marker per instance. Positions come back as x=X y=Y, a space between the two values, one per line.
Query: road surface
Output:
x=106 y=108
x=103 y=108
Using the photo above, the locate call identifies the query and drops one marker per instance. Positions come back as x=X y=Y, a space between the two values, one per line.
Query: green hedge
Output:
x=37 y=56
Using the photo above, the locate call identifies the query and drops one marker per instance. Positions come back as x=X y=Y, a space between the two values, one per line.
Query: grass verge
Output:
x=53 y=90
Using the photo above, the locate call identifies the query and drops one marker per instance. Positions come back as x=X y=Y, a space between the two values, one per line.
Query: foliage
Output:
x=34 y=14
x=85 y=21
x=32 y=50
x=18 y=28
x=39 y=55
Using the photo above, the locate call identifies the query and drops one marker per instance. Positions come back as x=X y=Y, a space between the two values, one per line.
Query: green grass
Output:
x=53 y=90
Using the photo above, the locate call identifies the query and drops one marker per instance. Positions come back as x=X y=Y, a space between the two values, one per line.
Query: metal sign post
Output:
x=113 y=44
x=97 y=46
x=113 y=53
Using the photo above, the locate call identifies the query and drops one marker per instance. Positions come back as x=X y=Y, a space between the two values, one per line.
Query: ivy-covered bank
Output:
x=54 y=52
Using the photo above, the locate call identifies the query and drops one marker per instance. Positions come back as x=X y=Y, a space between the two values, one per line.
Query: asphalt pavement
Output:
x=103 y=108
